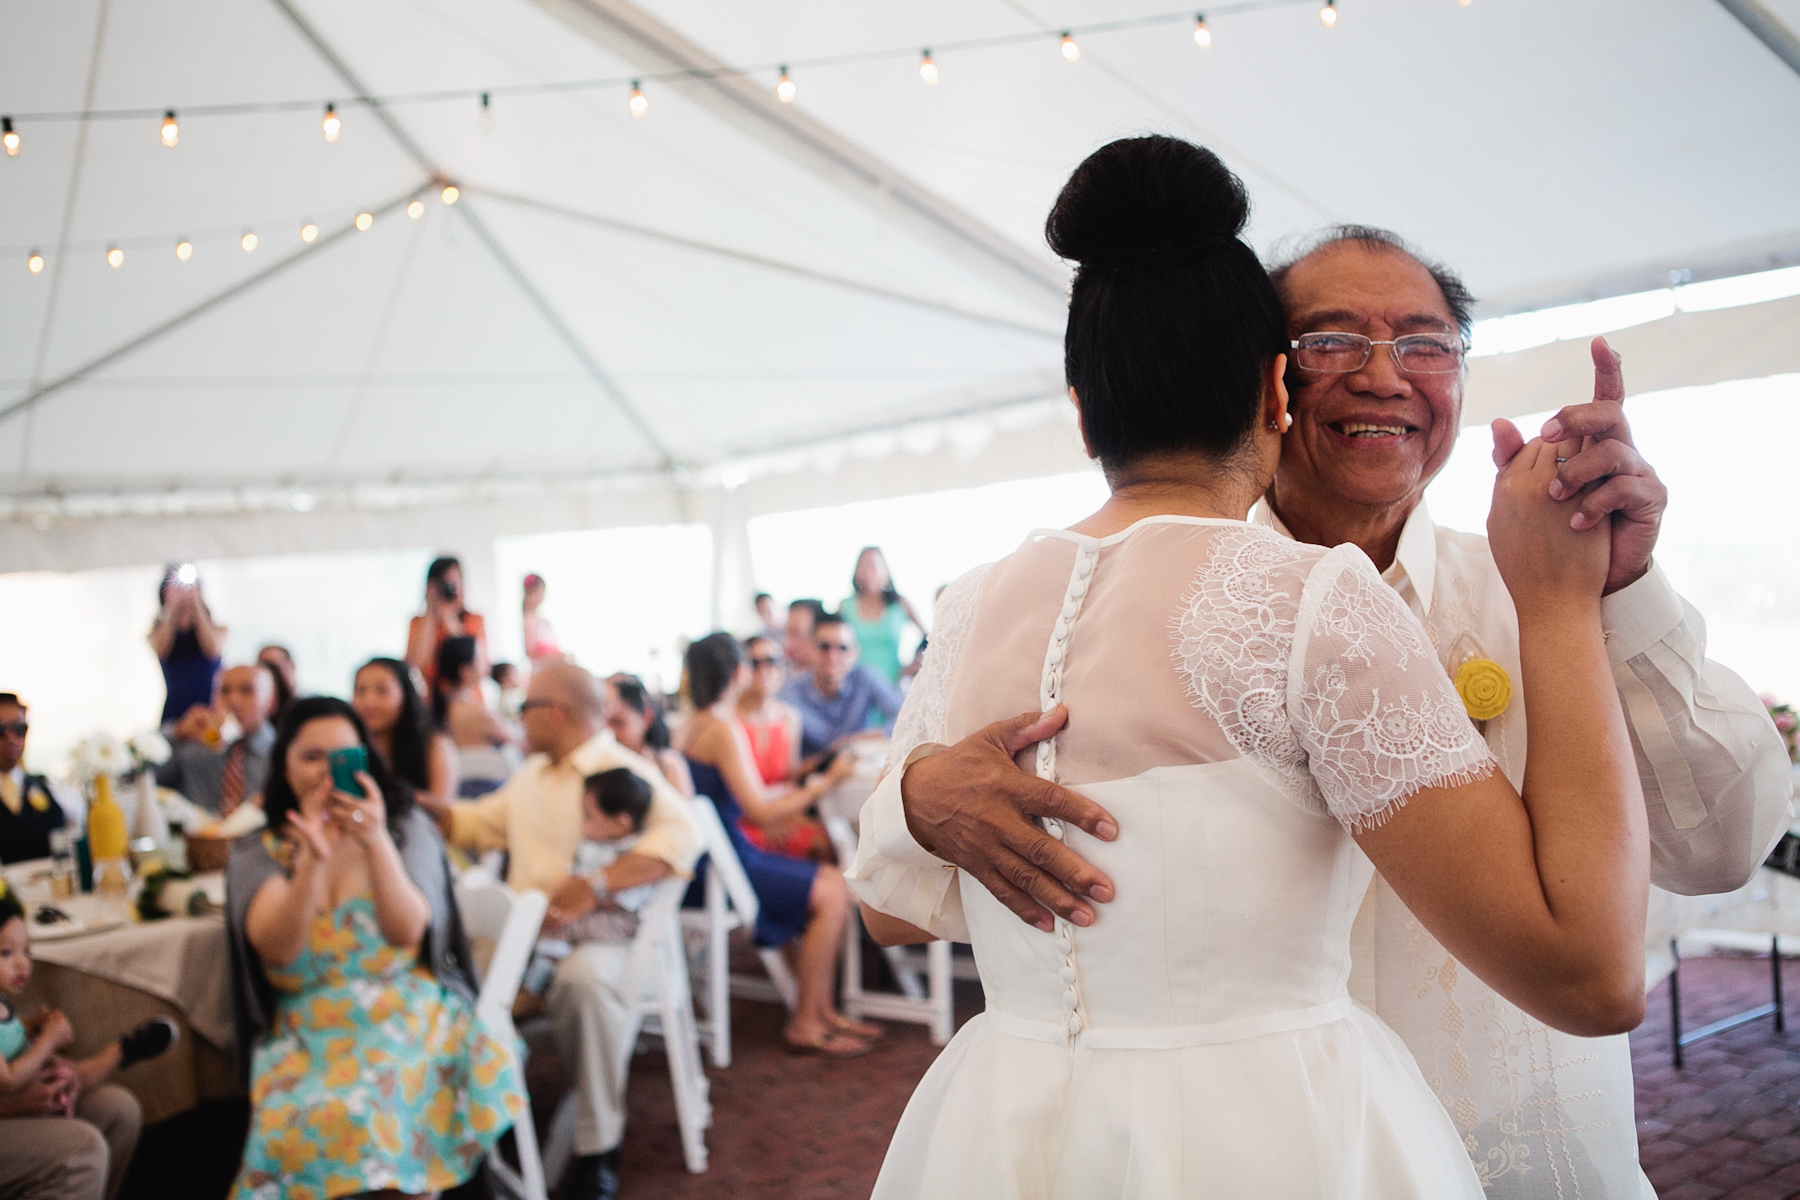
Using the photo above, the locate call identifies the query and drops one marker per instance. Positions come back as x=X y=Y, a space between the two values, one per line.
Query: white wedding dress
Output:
x=1238 y=702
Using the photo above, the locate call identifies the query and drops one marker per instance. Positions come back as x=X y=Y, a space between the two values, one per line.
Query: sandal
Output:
x=861 y=1030
x=832 y=1045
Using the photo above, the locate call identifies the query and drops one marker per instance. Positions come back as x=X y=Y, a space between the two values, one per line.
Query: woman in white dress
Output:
x=1252 y=710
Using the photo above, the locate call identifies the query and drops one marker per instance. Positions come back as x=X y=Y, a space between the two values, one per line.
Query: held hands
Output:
x=1544 y=560
x=1603 y=469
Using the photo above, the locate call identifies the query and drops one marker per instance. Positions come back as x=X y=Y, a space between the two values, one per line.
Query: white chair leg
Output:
x=900 y=958
x=782 y=978
x=718 y=973
x=943 y=996
x=561 y=1149
x=531 y=1161
x=680 y=1044
x=852 y=973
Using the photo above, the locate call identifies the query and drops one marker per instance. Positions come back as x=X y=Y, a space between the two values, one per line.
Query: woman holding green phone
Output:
x=370 y=1070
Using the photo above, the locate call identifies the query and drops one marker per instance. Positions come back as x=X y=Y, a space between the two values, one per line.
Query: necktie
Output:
x=9 y=794
x=231 y=784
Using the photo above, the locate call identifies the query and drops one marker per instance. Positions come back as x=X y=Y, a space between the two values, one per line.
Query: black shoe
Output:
x=148 y=1040
x=594 y=1177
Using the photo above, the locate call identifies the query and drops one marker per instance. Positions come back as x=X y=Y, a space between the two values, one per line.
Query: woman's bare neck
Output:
x=1188 y=485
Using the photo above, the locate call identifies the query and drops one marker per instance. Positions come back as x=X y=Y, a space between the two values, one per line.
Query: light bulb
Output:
x=330 y=124
x=1202 y=35
x=927 y=69
x=184 y=249
x=364 y=221
x=9 y=136
x=248 y=241
x=785 y=88
x=450 y=193
x=309 y=233
x=639 y=103
x=35 y=264
x=1070 y=50
x=1328 y=14
x=171 y=132
x=416 y=209
x=115 y=257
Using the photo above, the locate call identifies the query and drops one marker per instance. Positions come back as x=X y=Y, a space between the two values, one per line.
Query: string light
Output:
x=1328 y=14
x=639 y=104
x=309 y=233
x=1202 y=35
x=450 y=193
x=9 y=136
x=1070 y=50
x=35 y=264
x=785 y=88
x=363 y=221
x=115 y=257
x=927 y=69
x=171 y=132
x=416 y=209
x=331 y=125
x=184 y=249
x=248 y=241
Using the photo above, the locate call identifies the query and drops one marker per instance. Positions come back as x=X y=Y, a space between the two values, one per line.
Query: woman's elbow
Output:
x=1603 y=1007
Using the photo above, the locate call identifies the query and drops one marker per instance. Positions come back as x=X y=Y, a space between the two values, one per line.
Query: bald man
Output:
x=220 y=780
x=536 y=817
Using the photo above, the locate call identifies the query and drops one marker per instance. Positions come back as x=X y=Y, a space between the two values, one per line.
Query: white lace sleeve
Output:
x=1368 y=701
x=892 y=872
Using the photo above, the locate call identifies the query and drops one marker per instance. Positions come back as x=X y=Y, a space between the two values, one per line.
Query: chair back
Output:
x=510 y=920
x=724 y=860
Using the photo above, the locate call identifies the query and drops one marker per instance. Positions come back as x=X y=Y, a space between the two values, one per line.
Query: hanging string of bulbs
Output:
x=638 y=104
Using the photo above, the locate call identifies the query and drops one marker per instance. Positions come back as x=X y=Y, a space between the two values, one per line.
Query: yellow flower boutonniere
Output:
x=1485 y=688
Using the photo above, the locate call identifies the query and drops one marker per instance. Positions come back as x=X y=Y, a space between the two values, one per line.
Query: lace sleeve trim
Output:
x=924 y=716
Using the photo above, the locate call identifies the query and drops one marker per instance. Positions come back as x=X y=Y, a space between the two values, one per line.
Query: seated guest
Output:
x=636 y=720
x=841 y=700
x=512 y=693
x=444 y=617
x=614 y=805
x=797 y=898
x=186 y=641
x=370 y=1070
x=765 y=616
x=220 y=780
x=797 y=636
x=383 y=695
x=484 y=745
x=536 y=818
x=29 y=806
x=772 y=730
x=287 y=679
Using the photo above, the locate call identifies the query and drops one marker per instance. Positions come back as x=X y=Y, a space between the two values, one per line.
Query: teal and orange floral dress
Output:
x=374 y=1075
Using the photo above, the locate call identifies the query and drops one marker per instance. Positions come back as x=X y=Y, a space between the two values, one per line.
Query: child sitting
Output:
x=28 y=1060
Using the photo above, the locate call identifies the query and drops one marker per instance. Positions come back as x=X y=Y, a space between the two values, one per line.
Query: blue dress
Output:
x=783 y=885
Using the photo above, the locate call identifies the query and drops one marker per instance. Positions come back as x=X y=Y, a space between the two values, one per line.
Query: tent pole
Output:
x=1769 y=30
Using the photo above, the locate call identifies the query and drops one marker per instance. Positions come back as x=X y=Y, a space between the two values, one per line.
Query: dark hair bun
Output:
x=1146 y=200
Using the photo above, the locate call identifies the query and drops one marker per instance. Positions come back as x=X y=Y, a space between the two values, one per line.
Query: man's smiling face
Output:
x=1374 y=436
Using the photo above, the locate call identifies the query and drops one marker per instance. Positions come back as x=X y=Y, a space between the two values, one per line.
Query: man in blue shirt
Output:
x=841 y=700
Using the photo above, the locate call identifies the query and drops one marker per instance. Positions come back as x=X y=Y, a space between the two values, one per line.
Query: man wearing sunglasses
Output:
x=840 y=700
x=1375 y=379
x=29 y=810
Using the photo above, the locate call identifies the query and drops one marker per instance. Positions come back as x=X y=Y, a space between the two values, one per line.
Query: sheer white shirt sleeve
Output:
x=1714 y=771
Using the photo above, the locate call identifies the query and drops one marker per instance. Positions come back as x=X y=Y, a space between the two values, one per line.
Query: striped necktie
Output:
x=231 y=784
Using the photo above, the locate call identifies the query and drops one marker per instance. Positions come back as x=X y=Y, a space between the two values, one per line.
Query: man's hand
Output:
x=1604 y=466
x=572 y=898
x=971 y=805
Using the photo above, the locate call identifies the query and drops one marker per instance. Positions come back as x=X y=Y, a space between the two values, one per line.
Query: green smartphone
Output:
x=344 y=766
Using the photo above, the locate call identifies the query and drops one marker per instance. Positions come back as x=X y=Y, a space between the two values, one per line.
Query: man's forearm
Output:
x=634 y=870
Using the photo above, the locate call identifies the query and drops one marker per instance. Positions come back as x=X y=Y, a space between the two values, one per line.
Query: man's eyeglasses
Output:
x=760 y=663
x=16 y=728
x=828 y=647
x=538 y=703
x=1416 y=353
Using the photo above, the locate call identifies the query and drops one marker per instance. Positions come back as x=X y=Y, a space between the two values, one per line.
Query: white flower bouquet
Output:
x=99 y=754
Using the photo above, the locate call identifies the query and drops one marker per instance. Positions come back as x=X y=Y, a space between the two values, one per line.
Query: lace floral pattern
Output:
x=923 y=716
x=1372 y=719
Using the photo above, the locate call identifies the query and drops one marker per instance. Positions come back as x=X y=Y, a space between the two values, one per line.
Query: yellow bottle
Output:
x=106 y=823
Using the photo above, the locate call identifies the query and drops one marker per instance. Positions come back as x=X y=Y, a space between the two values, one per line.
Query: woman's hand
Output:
x=842 y=767
x=364 y=818
x=55 y=1030
x=1543 y=560
x=312 y=840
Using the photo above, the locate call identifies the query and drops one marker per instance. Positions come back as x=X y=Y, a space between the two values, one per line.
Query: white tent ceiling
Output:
x=615 y=297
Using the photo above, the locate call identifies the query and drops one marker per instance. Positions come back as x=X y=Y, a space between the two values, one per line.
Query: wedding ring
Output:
x=357 y=817
x=1562 y=460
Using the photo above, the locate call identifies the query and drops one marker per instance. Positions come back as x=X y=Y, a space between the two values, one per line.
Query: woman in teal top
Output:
x=878 y=614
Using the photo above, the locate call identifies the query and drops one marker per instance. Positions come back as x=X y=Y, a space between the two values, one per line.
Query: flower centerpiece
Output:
x=1787 y=723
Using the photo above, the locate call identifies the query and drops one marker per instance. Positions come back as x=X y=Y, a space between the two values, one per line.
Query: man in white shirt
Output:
x=536 y=817
x=1543 y=1114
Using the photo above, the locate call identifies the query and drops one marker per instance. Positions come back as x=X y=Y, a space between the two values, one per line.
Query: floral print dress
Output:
x=373 y=1076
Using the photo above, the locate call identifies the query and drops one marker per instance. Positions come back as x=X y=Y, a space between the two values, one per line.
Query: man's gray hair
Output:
x=1456 y=294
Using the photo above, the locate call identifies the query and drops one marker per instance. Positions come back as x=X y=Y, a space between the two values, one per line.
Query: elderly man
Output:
x=219 y=781
x=1376 y=384
x=840 y=700
x=536 y=817
x=30 y=806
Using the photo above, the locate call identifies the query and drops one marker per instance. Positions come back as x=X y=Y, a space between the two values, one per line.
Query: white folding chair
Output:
x=730 y=904
x=658 y=975
x=510 y=920
x=925 y=1001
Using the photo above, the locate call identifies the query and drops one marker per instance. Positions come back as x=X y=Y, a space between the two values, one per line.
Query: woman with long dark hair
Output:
x=636 y=720
x=370 y=1070
x=878 y=614
x=387 y=700
x=486 y=752
x=445 y=616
